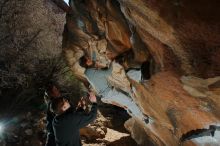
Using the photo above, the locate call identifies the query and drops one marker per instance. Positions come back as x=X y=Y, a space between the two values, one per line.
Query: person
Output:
x=88 y=62
x=51 y=93
x=68 y=120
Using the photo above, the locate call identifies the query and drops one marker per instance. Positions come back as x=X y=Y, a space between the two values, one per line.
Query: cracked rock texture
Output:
x=28 y=30
x=175 y=47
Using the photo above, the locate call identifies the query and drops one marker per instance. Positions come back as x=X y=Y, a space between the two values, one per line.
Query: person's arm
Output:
x=84 y=118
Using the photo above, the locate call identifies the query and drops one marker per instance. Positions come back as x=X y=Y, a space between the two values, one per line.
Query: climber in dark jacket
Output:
x=68 y=121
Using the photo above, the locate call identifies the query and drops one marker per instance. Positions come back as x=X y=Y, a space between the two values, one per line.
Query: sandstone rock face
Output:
x=158 y=59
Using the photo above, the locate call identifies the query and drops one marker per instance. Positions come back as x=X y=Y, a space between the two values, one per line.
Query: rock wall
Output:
x=28 y=30
x=158 y=59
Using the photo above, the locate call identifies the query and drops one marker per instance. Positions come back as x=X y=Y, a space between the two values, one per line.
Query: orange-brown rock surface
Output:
x=175 y=43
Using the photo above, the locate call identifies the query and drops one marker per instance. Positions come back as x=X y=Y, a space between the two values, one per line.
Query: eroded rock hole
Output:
x=148 y=68
x=144 y=69
x=110 y=122
x=212 y=131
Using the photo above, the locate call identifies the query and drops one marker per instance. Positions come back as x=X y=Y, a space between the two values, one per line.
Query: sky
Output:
x=67 y=1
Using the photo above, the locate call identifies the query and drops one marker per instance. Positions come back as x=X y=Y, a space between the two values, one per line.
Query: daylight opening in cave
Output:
x=67 y=1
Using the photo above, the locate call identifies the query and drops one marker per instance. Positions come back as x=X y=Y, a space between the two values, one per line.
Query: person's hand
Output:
x=92 y=97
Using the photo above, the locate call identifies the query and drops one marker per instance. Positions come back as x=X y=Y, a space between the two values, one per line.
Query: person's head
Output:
x=59 y=105
x=85 y=62
x=53 y=91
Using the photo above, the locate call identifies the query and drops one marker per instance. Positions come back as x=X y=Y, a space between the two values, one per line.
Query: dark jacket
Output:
x=50 y=134
x=66 y=126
